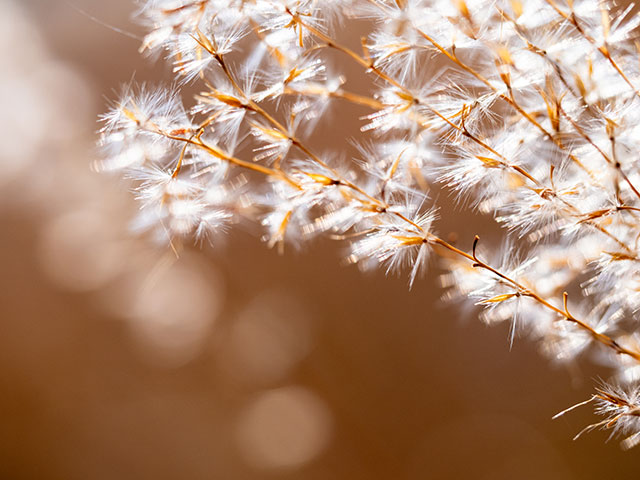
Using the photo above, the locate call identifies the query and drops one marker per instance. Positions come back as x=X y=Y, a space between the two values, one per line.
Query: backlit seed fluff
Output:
x=524 y=111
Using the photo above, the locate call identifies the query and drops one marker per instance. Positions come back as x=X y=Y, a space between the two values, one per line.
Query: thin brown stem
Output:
x=350 y=97
x=528 y=292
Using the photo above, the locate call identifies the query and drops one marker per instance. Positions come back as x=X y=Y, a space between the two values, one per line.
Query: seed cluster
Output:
x=526 y=111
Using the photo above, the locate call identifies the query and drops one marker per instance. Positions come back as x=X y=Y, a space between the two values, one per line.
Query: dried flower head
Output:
x=525 y=111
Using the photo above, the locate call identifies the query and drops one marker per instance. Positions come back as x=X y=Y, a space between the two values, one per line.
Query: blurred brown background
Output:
x=119 y=361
